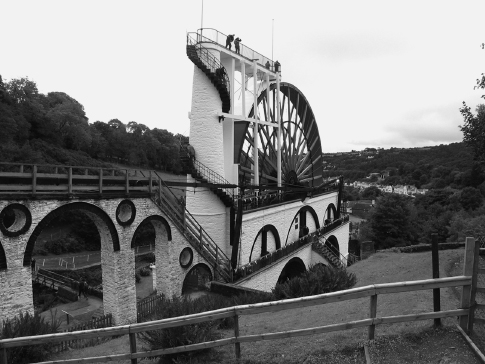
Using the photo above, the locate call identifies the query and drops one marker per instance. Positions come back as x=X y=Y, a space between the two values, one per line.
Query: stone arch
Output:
x=159 y=223
x=332 y=243
x=264 y=239
x=163 y=235
x=293 y=268
x=101 y=219
x=330 y=214
x=199 y=275
x=3 y=258
x=302 y=220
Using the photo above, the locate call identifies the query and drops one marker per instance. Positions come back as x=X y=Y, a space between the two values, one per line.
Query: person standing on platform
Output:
x=277 y=66
x=229 y=40
x=236 y=44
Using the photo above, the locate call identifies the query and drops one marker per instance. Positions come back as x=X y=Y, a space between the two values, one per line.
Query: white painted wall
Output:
x=283 y=218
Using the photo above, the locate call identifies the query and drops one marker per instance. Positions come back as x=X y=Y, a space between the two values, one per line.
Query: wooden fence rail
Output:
x=371 y=291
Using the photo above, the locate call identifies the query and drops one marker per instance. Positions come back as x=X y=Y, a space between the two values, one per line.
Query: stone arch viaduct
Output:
x=119 y=202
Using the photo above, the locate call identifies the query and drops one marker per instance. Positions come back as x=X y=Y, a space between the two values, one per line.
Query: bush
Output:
x=182 y=335
x=145 y=271
x=317 y=279
x=148 y=257
x=137 y=277
x=28 y=325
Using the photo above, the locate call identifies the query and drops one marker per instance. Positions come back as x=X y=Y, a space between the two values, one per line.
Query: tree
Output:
x=481 y=81
x=471 y=198
x=391 y=221
x=474 y=130
x=371 y=193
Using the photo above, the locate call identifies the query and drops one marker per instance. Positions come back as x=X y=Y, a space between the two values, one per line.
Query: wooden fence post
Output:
x=127 y=182
x=3 y=356
x=466 y=290
x=101 y=180
x=435 y=262
x=237 y=345
x=69 y=180
x=473 y=292
x=133 y=346
x=373 y=313
x=34 y=179
x=150 y=185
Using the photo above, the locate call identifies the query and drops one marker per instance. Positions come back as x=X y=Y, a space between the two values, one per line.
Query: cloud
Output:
x=428 y=126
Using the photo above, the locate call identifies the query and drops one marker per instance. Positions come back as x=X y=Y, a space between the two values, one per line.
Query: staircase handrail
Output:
x=214 y=36
x=204 y=236
x=209 y=60
x=211 y=175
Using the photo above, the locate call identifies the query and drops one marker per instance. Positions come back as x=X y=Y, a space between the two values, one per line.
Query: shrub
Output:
x=145 y=271
x=137 y=277
x=317 y=279
x=28 y=325
x=148 y=257
x=182 y=335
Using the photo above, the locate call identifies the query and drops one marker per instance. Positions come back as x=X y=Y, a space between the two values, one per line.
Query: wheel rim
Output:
x=301 y=152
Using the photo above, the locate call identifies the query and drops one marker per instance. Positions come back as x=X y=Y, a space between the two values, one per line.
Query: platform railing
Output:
x=214 y=36
x=49 y=179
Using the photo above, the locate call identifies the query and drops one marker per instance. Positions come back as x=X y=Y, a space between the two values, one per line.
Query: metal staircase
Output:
x=204 y=174
x=216 y=72
x=195 y=234
x=322 y=249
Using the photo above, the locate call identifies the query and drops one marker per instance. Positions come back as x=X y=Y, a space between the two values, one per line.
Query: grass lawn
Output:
x=412 y=342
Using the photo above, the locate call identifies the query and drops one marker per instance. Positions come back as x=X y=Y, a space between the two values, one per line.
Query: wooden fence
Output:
x=100 y=322
x=33 y=179
x=372 y=291
x=146 y=307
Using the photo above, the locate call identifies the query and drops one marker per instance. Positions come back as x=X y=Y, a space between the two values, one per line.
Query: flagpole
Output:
x=272 y=40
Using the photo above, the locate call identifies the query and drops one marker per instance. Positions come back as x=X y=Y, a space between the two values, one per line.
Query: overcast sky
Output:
x=376 y=73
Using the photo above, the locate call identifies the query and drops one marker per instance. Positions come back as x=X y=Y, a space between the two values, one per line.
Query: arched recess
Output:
x=302 y=223
x=264 y=240
x=159 y=223
x=293 y=268
x=332 y=243
x=100 y=218
x=3 y=258
x=330 y=214
x=199 y=276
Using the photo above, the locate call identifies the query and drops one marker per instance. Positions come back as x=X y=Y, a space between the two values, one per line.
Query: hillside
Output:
x=54 y=129
x=431 y=167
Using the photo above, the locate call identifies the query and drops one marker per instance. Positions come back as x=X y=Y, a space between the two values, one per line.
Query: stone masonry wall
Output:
x=118 y=266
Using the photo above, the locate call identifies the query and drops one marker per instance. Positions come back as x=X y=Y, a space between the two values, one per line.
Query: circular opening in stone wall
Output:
x=15 y=219
x=186 y=257
x=125 y=212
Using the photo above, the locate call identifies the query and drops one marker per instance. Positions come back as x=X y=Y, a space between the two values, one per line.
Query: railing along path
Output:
x=371 y=291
